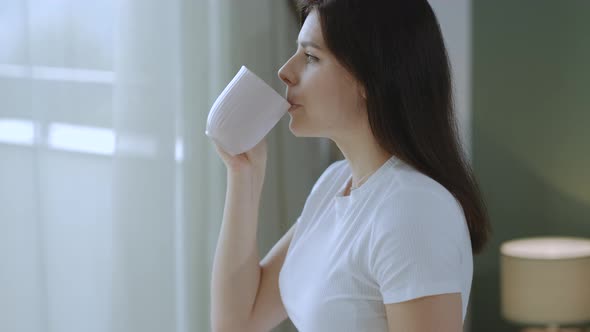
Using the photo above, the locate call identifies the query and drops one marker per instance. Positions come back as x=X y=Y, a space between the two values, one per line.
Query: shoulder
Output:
x=420 y=206
x=415 y=226
x=336 y=166
x=415 y=190
x=331 y=172
x=413 y=181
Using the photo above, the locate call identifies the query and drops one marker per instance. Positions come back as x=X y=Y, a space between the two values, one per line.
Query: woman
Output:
x=386 y=236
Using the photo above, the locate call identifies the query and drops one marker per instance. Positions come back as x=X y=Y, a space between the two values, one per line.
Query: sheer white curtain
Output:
x=111 y=196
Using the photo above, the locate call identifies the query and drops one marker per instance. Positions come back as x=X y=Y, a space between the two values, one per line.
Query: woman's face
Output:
x=331 y=101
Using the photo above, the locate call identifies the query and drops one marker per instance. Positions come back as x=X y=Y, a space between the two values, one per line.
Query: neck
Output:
x=363 y=154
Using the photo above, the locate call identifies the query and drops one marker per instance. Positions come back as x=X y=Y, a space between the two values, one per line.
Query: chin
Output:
x=301 y=134
x=299 y=131
x=295 y=130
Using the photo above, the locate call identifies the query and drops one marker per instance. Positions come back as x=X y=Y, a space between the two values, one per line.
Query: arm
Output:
x=236 y=271
x=245 y=292
x=437 y=313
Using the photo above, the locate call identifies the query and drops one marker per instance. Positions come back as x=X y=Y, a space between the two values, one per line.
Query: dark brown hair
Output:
x=395 y=49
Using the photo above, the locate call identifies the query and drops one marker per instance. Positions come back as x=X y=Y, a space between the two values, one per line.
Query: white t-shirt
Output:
x=399 y=236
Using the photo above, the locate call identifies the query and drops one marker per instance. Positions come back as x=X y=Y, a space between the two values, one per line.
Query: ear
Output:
x=363 y=92
x=360 y=88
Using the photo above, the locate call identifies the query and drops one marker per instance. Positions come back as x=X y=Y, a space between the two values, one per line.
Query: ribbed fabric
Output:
x=400 y=236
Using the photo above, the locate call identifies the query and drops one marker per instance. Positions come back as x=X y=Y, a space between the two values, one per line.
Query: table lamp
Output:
x=545 y=281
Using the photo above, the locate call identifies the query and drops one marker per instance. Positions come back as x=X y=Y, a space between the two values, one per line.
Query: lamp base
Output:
x=554 y=329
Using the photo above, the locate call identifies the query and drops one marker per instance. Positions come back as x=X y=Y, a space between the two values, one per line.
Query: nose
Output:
x=286 y=74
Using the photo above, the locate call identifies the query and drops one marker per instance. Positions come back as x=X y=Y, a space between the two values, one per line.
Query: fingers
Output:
x=224 y=155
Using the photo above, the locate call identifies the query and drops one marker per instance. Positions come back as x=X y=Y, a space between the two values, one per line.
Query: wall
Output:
x=530 y=148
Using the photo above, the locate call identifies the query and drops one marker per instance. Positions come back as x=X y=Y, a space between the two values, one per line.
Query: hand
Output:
x=252 y=161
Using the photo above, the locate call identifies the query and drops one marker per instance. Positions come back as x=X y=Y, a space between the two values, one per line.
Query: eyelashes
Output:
x=310 y=57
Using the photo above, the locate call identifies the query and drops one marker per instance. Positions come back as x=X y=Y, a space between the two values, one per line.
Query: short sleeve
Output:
x=414 y=246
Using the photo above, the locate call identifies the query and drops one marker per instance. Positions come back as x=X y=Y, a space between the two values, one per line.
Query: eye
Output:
x=310 y=57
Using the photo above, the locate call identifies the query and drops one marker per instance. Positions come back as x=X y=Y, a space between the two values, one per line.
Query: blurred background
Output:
x=111 y=195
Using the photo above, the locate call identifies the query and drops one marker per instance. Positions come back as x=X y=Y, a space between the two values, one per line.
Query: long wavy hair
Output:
x=395 y=48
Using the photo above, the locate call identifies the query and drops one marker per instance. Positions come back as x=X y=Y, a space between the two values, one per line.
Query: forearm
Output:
x=236 y=269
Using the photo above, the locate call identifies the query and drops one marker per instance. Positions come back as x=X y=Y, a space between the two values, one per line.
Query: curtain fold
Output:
x=146 y=105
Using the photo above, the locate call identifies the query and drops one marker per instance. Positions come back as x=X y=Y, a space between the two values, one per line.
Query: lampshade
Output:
x=545 y=280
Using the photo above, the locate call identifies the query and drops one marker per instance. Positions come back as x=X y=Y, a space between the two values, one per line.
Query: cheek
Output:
x=341 y=97
x=328 y=92
x=331 y=99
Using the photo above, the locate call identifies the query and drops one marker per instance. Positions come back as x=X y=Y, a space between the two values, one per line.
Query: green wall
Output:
x=531 y=130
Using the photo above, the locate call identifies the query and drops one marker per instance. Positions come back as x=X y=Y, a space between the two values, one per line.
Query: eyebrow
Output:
x=308 y=43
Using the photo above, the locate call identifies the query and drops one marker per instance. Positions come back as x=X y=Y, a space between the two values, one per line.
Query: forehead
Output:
x=311 y=29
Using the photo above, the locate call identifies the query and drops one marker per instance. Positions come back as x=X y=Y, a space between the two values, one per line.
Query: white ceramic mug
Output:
x=244 y=113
